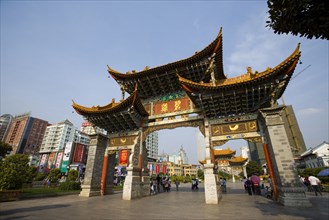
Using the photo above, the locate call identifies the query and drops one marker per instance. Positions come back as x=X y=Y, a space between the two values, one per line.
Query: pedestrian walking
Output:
x=315 y=183
x=244 y=183
x=177 y=184
x=255 y=180
x=248 y=185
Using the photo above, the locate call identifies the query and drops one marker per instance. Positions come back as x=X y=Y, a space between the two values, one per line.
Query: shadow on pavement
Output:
x=31 y=209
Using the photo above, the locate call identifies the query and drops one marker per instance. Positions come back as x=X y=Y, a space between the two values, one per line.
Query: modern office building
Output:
x=4 y=125
x=25 y=134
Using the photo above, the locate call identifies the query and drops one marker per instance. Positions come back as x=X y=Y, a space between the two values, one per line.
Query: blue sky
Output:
x=56 y=51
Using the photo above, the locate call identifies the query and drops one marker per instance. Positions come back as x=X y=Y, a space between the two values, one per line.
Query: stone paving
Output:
x=184 y=204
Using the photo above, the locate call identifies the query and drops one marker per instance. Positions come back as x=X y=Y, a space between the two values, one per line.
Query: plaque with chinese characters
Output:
x=176 y=105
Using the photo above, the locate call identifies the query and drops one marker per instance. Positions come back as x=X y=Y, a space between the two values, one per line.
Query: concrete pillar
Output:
x=92 y=181
x=290 y=190
x=213 y=193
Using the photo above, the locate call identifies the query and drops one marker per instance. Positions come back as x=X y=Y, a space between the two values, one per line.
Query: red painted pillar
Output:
x=104 y=171
x=270 y=169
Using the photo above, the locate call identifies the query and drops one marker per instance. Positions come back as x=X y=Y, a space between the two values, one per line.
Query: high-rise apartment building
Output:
x=57 y=135
x=152 y=145
x=25 y=134
x=4 y=125
x=55 y=140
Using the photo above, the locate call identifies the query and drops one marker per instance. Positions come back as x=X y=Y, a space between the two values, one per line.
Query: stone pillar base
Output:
x=213 y=193
x=89 y=192
x=293 y=197
x=133 y=187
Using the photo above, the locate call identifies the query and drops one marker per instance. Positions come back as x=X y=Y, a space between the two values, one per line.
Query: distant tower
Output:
x=182 y=154
x=152 y=145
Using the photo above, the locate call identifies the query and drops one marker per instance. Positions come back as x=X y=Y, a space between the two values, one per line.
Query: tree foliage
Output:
x=254 y=168
x=14 y=171
x=222 y=174
x=54 y=175
x=4 y=149
x=200 y=174
x=73 y=175
x=307 y=18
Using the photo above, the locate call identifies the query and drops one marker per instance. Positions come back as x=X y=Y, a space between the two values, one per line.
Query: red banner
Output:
x=157 y=169
x=79 y=153
x=164 y=169
x=123 y=160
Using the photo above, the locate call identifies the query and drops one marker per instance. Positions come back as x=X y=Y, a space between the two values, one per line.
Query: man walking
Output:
x=315 y=182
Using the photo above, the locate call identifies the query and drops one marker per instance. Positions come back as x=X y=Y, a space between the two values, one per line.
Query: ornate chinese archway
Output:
x=193 y=92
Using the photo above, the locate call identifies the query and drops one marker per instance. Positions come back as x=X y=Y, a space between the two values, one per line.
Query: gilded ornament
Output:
x=234 y=128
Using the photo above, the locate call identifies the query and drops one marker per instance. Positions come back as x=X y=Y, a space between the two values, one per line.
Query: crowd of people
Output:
x=159 y=184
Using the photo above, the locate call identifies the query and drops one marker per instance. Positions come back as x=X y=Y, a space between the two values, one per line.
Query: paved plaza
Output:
x=184 y=204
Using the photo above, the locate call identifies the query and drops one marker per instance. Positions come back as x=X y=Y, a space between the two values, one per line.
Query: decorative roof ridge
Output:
x=244 y=77
x=111 y=106
x=224 y=151
x=217 y=41
x=238 y=159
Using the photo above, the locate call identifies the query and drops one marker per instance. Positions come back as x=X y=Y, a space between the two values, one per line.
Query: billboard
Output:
x=66 y=156
x=58 y=159
x=43 y=162
x=79 y=153
x=50 y=160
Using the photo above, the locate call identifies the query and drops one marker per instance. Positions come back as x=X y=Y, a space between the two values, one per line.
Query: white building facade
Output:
x=152 y=145
x=317 y=156
x=55 y=139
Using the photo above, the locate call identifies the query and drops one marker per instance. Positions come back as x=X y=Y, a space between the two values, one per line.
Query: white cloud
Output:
x=257 y=47
x=309 y=111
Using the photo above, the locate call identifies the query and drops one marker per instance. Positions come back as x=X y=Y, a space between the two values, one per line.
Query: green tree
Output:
x=31 y=174
x=254 y=168
x=187 y=179
x=54 y=175
x=309 y=18
x=73 y=175
x=200 y=174
x=14 y=171
x=222 y=174
x=4 y=149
